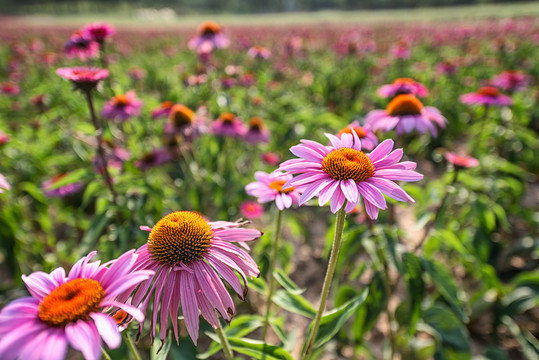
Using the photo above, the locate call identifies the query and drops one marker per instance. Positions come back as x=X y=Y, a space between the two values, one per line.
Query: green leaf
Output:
x=416 y=288
x=443 y=280
x=288 y=338
x=449 y=329
x=158 y=352
x=287 y=283
x=73 y=177
x=529 y=344
x=368 y=313
x=296 y=304
x=333 y=320
x=258 y=350
x=95 y=229
x=34 y=192
x=258 y=285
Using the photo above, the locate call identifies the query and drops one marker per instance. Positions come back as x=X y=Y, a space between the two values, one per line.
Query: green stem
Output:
x=339 y=226
x=106 y=356
x=132 y=347
x=224 y=342
x=273 y=261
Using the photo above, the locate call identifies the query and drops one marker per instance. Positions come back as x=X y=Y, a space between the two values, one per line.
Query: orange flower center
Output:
x=278 y=186
x=120 y=101
x=346 y=164
x=227 y=117
x=180 y=116
x=404 y=104
x=72 y=301
x=120 y=316
x=182 y=236
x=488 y=91
x=256 y=123
x=361 y=133
x=209 y=28
x=403 y=81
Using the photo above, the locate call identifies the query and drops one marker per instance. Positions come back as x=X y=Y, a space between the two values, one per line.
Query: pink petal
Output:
x=349 y=189
x=327 y=192
x=83 y=336
x=390 y=189
x=107 y=328
x=372 y=194
x=237 y=234
x=337 y=201
x=381 y=150
x=306 y=153
x=335 y=141
x=313 y=190
x=189 y=305
x=403 y=175
x=372 y=210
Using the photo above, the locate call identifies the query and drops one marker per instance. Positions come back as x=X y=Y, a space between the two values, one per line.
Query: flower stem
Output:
x=106 y=356
x=100 y=150
x=429 y=226
x=339 y=226
x=224 y=342
x=132 y=347
x=273 y=261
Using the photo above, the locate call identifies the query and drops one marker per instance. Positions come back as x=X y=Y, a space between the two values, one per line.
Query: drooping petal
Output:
x=83 y=336
x=108 y=329
x=382 y=150
x=189 y=304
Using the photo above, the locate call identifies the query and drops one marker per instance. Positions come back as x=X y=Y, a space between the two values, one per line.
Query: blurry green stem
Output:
x=132 y=347
x=224 y=342
x=271 y=279
x=106 y=356
x=339 y=227
x=429 y=226
x=100 y=150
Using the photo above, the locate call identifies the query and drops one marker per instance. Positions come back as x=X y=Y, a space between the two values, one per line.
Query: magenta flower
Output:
x=4 y=185
x=270 y=158
x=10 y=88
x=122 y=107
x=156 y=157
x=209 y=37
x=62 y=191
x=69 y=310
x=162 y=110
x=461 y=161
x=257 y=132
x=367 y=137
x=259 y=52
x=4 y=138
x=487 y=96
x=403 y=86
x=251 y=209
x=401 y=50
x=406 y=113
x=343 y=173
x=188 y=253
x=185 y=122
x=98 y=32
x=81 y=47
x=84 y=78
x=269 y=187
x=511 y=80
x=228 y=125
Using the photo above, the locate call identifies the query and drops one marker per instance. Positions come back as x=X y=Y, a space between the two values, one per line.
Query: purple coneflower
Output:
x=401 y=50
x=343 y=173
x=98 y=32
x=270 y=158
x=84 y=78
x=188 y=253
x=162 y=110
x=227 y=124
x=61 y=191
x=185 y=122
x=4 y=185
x=269 y=187
x=511 y=80
x=209 y=37
x=81 y=47
x=10 y=88
x=406 y=113
x=4 y=138
x=69 y=310
x=259 y=52
x=153 y=158
x=403 y=86
x=257 y=132
x=461 y=160
x=122 y=107
x=487 y=96
x=251 y=209
x=367 y=137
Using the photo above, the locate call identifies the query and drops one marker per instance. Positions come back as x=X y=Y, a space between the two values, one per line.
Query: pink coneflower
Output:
x=209 y=37
x=342 y=172
x=401 y=50
x=271 y=158
x=122 y=107
x=367 y=137
x=257 y=132
x=228 y=125
x=461 y=160
x=188 y=253
x=511 y=80
x=403 y=86
x=69 y=310
x=251 y=209
x=487 y=96
x=61 y=191
x=185 y=122
x=84 y=78
x=10 y=88
x=259 y=52
x=406 y=113
x=81 y=47
x=156 y=157
x=98 y=32
x=4 y=185
x=162 y=110
x=4 y=138
x=446 y=67
x=269 y=187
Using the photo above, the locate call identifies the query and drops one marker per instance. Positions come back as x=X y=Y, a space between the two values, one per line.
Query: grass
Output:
x=127 y=16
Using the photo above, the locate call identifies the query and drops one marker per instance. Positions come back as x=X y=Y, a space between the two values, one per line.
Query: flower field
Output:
x=314 y=191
